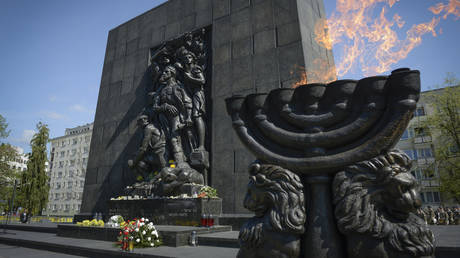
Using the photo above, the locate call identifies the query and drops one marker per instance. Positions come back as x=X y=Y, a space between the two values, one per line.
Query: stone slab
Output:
x=168 y=211
x=170 y=235
x=102 y=249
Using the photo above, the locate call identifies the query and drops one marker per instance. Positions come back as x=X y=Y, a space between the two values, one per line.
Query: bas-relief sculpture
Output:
x=360 y=198
x=173 y=122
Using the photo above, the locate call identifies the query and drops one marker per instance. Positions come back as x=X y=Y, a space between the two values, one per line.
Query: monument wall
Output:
x=257 y=45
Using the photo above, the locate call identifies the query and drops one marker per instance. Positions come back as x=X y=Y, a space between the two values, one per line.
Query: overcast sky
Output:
x=52 y=52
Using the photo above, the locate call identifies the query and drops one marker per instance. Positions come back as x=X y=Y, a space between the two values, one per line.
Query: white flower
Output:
x=155 y=233
x=146 y=220
x=138 y=240
x=149 y=238
x=143 y=232
x=151 y=244
x=137 y=230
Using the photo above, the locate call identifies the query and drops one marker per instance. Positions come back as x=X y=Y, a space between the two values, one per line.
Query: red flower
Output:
x=126 y=233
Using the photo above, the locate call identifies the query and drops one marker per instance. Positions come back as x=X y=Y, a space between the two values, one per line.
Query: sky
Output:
x=52 y=53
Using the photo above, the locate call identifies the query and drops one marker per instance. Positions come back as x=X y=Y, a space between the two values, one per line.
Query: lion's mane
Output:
x=359 y=208
x=283 y=197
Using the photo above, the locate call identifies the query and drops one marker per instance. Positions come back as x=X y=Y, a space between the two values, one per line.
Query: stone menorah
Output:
x=327 y=182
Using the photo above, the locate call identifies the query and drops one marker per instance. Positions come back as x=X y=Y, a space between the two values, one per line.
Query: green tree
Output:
x=34 y=183
x=445 y=124
x=7 y=174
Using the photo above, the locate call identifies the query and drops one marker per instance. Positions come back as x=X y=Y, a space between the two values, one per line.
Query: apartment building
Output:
x=68 y=160
x=418 y=141
x=20 y=163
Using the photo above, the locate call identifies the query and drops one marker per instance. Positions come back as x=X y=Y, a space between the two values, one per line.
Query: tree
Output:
x=7 y=174
x=34 y=183
x=445 y=124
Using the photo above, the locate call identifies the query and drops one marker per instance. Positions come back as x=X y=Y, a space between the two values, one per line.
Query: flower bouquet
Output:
x=91 y=223
x=207 y=192
x=138 y=233
x=115 y=221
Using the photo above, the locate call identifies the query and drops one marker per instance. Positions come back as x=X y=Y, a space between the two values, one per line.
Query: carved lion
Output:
x=276 y=197
x=375 y=201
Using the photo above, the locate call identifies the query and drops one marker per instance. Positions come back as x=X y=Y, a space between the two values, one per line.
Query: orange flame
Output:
x=373 y=43
x=453 y=7
x=300 y=71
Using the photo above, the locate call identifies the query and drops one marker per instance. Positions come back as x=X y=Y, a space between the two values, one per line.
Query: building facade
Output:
x=68 y=160
x=419 y=142
x=20 y=164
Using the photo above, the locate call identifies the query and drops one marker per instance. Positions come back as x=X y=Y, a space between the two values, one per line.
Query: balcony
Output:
x=425 y=161
x=422 y=139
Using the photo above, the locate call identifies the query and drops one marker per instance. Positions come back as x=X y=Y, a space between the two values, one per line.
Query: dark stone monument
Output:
x=250 y=46
x=332 y=142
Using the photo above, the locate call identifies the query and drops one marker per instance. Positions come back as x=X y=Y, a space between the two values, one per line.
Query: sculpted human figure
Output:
x=194 y=81
x=174 y=108
x=152 y=150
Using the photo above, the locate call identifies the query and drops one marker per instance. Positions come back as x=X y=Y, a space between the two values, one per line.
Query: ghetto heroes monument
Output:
x=253 y=46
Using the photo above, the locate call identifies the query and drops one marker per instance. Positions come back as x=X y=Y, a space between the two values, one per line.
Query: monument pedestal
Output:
x=168 y=211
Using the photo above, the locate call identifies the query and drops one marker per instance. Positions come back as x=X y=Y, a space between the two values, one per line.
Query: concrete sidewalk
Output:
x=94 y=248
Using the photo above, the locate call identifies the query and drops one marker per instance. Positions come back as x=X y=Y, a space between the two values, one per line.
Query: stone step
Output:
x=220 y=239
x=103 y=249
x=171 y=235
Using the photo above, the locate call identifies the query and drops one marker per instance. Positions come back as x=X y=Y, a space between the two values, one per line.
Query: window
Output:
x=417 y=173
x=72 y=162
x=75 y=141
x=420 y=111
x=74 y=151
x=59 y=174
x=431 y=197
x=436 y=197
x=425 y=153
x=411 y=153
x=85 y=150
x=62 y=154
x=87 y=138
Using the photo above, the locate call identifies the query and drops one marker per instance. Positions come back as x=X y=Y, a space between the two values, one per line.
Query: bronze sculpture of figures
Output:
x=151 y=153
x=176 y=113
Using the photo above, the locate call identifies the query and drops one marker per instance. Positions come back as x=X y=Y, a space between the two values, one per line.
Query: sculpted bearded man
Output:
x=173 y=107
